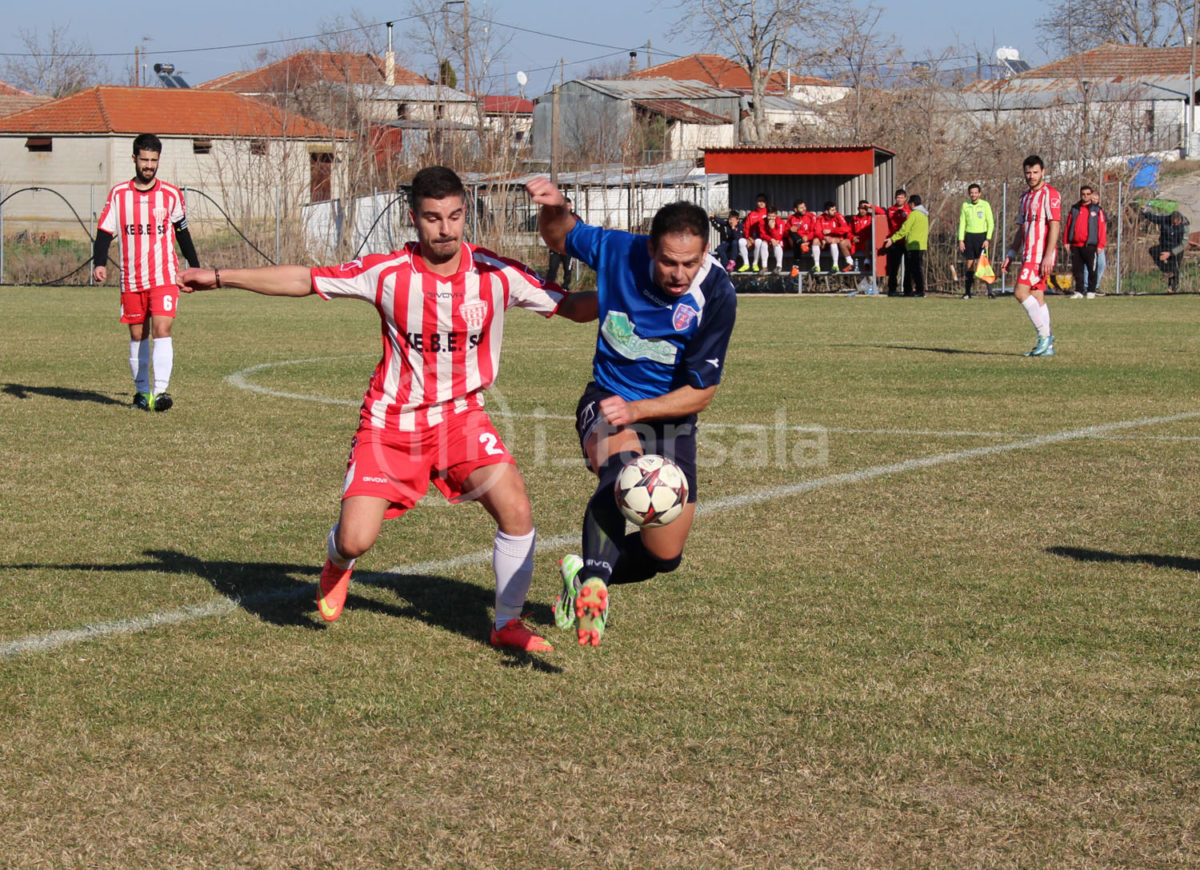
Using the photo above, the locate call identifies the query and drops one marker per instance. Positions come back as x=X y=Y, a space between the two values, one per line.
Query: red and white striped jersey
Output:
x=441 y=334
x=1038 y=208
x=143 y=221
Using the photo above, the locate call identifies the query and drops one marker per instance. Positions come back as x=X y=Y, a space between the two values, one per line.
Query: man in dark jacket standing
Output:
x=1086 y=232
x=1172 y=243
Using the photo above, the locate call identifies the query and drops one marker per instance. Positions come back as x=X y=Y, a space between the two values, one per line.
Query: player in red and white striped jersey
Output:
x=149 y=217
x=442 y=303
x=1039 y=221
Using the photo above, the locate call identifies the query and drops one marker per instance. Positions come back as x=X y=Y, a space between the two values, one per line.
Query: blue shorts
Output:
x=674 y=439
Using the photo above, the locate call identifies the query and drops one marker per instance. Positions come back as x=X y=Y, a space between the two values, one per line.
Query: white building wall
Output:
x=82 y=169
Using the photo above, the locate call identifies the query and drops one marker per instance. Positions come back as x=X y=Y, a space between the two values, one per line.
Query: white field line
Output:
x=218 y=607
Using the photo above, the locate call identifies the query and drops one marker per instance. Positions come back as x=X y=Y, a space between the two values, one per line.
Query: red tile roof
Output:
x=721 y=72
x=501 y=105
x=7 y=90
x=1111 y=60
x=681 y=111
x=165 y=111
x=10 y=103
x=311 y=67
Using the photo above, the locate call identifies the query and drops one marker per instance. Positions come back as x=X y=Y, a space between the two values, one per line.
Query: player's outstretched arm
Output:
x=267 y=280
x=555 y=219
x=582 y=306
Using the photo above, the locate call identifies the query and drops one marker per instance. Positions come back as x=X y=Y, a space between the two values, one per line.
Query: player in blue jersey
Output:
x=666 y=314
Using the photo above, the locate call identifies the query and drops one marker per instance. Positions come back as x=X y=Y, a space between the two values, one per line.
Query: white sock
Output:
x=164 y=360
x=1031 y=308
x=742 y=251
x=512 y=560
x=139 y=364
x=778 y=251
x=1044 y=315
x=835 y=251
x=331 y=549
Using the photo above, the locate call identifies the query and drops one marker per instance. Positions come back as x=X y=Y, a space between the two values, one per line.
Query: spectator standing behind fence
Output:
x=728 y=231
x=750 y=237
x=914 y=232
x=833 y=235
x=863 y=236
x=896 y=216
x=557 y=260
x=149 y=216
x=1172 y=243
x=975 y=227
x=1101 y=256
x=1085 y=233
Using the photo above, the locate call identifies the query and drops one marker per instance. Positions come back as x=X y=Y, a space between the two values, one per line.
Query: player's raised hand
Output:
x=543 y=192
x=190 y=280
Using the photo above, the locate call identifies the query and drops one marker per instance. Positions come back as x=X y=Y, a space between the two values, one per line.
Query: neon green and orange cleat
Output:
x=591 y=607
x=331 y=590
x=569 y=567
x=516 y=635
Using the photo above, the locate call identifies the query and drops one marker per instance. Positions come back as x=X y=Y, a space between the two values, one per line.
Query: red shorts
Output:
x=1031 y=276
x=399 y=466
x=159 y=301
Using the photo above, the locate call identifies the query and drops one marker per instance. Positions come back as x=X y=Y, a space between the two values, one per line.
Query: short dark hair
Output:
x=1033 y=160
x=679 y=217
x=900 y=191
x=863 y=202
x=974 y=186
x=1086 y=187
x=147 y=142
x=829 y=204
x=915 y=199
x=436 y=182
x=761 y=196
x=799 y=203
x=734 y=213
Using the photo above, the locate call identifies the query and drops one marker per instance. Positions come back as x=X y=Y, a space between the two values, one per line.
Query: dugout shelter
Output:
x=842 y=174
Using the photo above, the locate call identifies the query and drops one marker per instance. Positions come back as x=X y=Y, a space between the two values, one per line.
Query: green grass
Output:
x=992 y=659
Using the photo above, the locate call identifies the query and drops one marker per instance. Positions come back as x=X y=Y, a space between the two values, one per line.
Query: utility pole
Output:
x=554 y=137
x=466 y=47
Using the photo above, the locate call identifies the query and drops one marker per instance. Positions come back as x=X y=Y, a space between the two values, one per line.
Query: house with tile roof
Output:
x=1135 y=96
x=16 y=100
x=242 y=153
x=721 y=72
x=635 y=121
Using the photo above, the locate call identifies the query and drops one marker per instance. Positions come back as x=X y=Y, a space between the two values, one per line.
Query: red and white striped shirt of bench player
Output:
x=144 y=222
x=1038 y=207
x=441 y=334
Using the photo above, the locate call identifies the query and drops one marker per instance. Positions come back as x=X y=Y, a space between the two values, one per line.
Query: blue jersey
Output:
x=651 y=342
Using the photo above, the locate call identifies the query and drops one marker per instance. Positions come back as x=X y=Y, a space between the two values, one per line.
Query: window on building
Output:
x=258 y=147
x=320 y=176
x=202 y=146
x=402 y=111
x=39 y=143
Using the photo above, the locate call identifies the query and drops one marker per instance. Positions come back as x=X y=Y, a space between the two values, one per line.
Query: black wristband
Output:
x=217 y=273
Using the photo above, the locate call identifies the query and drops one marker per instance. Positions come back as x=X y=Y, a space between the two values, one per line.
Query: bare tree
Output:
x=761 y=35
x=860 y=55
x=57 y=65
x=1077 y=25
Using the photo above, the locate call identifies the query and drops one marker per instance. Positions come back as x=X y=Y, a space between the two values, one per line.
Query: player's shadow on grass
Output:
x=24 y=391
x=452 y=605
x=1084 y=554
x=945 y=350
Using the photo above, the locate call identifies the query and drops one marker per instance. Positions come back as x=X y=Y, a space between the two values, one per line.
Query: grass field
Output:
x=940 y=609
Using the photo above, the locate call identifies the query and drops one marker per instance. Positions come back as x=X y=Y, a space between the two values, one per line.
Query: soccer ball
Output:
x=651 y=491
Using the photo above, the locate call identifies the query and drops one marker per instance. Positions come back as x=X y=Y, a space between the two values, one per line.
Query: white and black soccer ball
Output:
x=651 y=491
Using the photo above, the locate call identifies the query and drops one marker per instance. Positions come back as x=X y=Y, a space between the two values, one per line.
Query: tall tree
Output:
x=1077 y=25
x=761 y=35
x=56 y=65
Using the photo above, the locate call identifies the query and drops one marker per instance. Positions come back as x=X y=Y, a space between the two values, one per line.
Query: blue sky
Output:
x=207 y=39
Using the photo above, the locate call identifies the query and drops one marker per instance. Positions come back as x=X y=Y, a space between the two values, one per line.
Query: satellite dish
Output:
x=522 y=79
